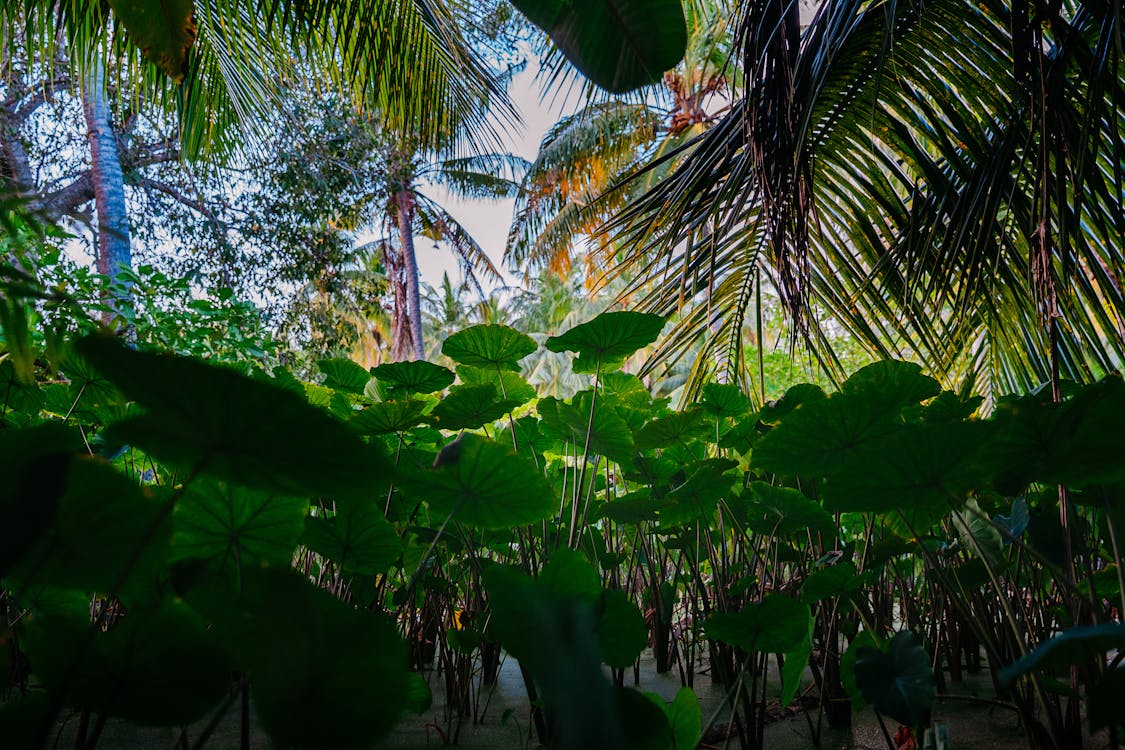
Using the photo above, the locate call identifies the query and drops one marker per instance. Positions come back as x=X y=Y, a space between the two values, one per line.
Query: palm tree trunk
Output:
x=114 y=252
x=405 y=202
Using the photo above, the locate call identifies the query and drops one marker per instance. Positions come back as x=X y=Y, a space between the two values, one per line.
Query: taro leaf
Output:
x=398 y=379
x=127 y=671
x=686 y=717
x=485 y=486
x=604 y=343
x=676 y=427
x=644 y=722
x=388 y=416
x=793 y=668
x=21 y=400
x=1077 y=443
x=419 y=697
x=34 y=464
x=610 y=435
x=835 y=580
x=619 y=44
x=697 y=498
x=164 y=31
x=358 y=538
x=343 y=375
x=948 y=406
x=923 y=466
x=802 y=393
x=467 y=407
x=785 y=511
x=322 y=672
x=622 y=633
x=818 y=436
x=724 y=400
x=898 y=680
x=1072 y=646
x=106 y=535
x=510 y=385
x=252 y=433
x=776 y=625
x=635 y=507
x=492 y=346
x=977 y=533
x=231 y=528
x=1015 y=523
x=627 y=390
x=863 y=639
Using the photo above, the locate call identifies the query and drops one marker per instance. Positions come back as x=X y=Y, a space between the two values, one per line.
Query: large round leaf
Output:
x=468 y=407
x=898 y=680
x=776 y=625
x=489 y=346
x=483 y=484
x=106 y=534
x=604 y=343
x=403 y=378
x=510 y=385
x=785 y=511
x=158 y=666
x=357 y=537
x=820 y=434
x=343 y=375
x=388 y=416
x=205 y=417
x=697 y=498
x=675 y=427
x=724 y=400
x=620 y=44
x=232 y=528
x=622 y=633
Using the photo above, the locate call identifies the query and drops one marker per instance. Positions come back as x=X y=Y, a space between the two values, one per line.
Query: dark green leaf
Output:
x=622 y=633
x=357 y=537
x=484 y=485
x=697 y=498
x=677 y=426
x=604 y=343
x=619 y=44
x=1073 y=646
x=343 y=375
x=776 y=625
x=898 y=680
x=388 y=416
x=510 y=385
x=785 y=512
x=489 y=346
x=468 y=407
x=724 y=400
x=399 y=379
x=249 y=432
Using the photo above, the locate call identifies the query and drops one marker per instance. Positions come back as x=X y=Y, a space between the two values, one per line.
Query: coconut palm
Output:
x=569 y=190
x=941 y=178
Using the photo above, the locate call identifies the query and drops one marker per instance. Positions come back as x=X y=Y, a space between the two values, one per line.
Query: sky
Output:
x=488 y=221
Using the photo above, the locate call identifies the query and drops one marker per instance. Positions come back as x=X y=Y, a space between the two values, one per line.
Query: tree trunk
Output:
x=405 y=203
x=114 y=252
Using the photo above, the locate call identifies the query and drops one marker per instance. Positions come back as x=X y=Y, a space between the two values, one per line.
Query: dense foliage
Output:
x=170 y=523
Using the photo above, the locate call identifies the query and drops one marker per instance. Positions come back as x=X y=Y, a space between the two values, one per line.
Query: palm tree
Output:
x=410 y=212
x=576 y=181
x=941 y=178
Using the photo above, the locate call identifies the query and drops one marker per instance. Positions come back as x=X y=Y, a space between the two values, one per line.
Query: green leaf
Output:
x=106 y=535
x=785 y=512
x=818 y=436
x=232 y=528
x=164 y=31
x=697 y=498
x=357 y=537
x=686 y=717
x=863 y=639
x=776 y=625
x=484 y=485
x=343 y=375
x=33 y=468
x=898 y=680
x=677 y=426
x=622 y=633
x=916 y=466
x=977 y=533
x=636 y=507
x=619 y=44
x=724 y=400
x=323 y=673
x=604 y=343
x=389 y=416
x=249 y=432
x=793 y=668
x=160 y=667
x=510 y=385
x=489 y=346
x=469 y=407
x=1072 y=646
x=827 y=583
x=399 y=379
